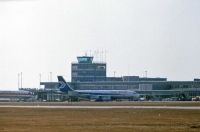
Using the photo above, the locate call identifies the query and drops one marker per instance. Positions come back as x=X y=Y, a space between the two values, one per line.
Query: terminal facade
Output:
x=89 y=75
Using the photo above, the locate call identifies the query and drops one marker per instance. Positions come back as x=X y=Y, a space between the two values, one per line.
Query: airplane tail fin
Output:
x=64 y=86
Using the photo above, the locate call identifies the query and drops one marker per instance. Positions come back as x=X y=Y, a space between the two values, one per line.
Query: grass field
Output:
x=98 y=120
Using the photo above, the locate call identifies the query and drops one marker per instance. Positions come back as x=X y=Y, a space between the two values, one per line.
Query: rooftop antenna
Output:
x=105 y=55
x=94 y=55
x=114 y=73
x=146 y=73
x=128 y=69
x=97 y=55
x=99 y=52
x=101 y=56
x=90 y=53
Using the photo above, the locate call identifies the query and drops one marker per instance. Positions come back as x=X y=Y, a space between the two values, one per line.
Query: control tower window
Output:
x=101 y=67
x=74 y=67
x=85 y=59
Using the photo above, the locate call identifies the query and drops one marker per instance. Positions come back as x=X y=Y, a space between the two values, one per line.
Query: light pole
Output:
x=114 y=73
x=50 y=78
x=21 y=79
x=40 y=77
x=18 y=81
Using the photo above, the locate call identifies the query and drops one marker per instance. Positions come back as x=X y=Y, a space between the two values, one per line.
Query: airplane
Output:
x=98 y=95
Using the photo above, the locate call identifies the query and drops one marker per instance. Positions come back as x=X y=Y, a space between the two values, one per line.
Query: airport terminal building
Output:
x=90 y=75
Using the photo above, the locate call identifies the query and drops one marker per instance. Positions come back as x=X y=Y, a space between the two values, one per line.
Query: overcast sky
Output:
x=42 y=36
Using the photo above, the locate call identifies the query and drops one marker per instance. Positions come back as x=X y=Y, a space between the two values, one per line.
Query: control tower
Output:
x=85 y=70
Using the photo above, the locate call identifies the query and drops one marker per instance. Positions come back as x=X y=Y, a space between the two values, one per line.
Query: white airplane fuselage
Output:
x=97 y=94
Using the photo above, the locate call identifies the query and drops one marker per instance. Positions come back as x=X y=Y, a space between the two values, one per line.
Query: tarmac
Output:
x=106 y=107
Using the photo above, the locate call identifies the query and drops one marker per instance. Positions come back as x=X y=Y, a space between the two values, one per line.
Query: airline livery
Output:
x=98 y=95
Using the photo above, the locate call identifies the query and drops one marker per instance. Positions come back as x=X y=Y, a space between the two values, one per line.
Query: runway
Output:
x=105 y=107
